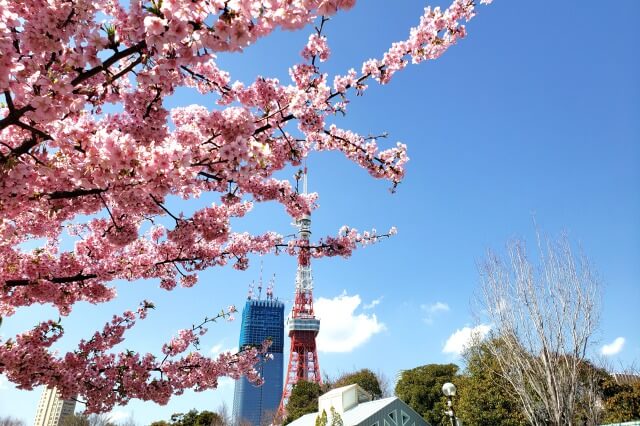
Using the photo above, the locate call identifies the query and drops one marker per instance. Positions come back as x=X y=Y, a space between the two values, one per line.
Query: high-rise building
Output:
x=52 y=408
x=261 y=319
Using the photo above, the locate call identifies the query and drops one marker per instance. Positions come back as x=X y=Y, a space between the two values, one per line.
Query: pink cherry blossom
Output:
x=70 y=172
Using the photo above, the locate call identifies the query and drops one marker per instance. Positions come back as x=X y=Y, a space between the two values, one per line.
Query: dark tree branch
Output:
x=85 y=75
x=80 y=192
x=269 y=126
x=27 y=144
x=14 y=116
x=106 y=206
x=56 y=280
x=125 y=70
x=155 y=99
x=69 y=17
x=193 y=74
x=155 y=200
x=38 y=132
x=7 y=96
x=210 y=176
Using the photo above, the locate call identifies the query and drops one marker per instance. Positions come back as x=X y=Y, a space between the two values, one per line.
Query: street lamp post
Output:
x=449 y=390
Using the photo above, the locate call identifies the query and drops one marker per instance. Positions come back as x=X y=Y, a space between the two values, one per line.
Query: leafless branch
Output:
x=544 y=318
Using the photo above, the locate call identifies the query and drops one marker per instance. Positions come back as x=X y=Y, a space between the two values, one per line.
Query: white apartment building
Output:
x=52 y=408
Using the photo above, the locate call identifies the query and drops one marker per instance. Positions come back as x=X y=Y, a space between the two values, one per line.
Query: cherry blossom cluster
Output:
x=104 y=378
x=108 y=181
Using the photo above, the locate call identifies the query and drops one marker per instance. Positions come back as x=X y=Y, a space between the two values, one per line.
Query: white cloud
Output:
x=118 y=415
x=217 y=349
x=460 y=339
x=373 y=304
x=225 y=382
x=5 y=384
x=613 y=348
x=341 y=329
x=434 y=309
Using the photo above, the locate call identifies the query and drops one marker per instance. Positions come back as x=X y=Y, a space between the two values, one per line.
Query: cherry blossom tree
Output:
x=70 y=171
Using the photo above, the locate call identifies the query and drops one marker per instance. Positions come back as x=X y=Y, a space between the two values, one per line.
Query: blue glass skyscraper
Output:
x=256 y=405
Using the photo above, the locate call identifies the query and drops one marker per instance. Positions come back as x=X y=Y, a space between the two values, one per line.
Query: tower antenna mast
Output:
x=302 y=323
x=304 y=180
x=260 y=282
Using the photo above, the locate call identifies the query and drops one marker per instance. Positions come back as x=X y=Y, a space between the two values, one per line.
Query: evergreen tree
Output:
x=336 y=418
x=303 y=400
x=321 y=420
x=192 y=418
x=484 y=397
x=421 y=389
x=366 y=378
x=621 y=401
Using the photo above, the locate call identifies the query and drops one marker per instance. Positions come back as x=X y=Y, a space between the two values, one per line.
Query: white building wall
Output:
x=342 y=399
x=52 y=409
x=349 y=399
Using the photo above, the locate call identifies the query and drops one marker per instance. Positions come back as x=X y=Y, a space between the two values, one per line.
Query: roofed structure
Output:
x=626 y=378
x=355 y=407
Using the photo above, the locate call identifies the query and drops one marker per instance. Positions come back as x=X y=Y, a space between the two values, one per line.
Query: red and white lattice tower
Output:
x=302 y=324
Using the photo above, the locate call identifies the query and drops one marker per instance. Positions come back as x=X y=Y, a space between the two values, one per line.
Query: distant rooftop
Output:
x=355 y=407
x=626 y=378
x=350 y=417
x=343 y=398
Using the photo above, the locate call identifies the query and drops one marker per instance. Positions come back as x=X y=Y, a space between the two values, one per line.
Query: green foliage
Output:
x=192 y=418
x=74 y=420
x=303 y=400
x=86 y=420
x=591 y=394
x=421 y=388
x=321 y=420
x=484 y=398
x=336 y=418
x=621 y=401
x=366 y=378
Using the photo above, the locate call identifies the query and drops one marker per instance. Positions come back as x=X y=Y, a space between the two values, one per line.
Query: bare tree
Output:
x=100 y=420
x=544 y=318
x=75 y=420
x=87 y=420
x=268 y=417
x=385 y=384
x=11 y=421
x=224 y=415
x=129 y=421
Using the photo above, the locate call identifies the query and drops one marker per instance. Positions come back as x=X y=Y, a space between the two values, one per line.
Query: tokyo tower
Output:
x=303 y=325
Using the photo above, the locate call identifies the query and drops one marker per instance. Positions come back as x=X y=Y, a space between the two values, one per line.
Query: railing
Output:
x=304 y=324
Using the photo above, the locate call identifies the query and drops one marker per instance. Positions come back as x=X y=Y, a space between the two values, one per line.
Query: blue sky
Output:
x=534 y=114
